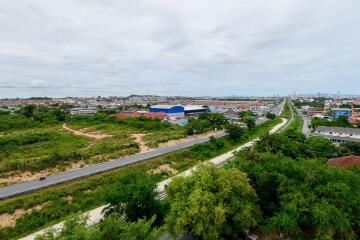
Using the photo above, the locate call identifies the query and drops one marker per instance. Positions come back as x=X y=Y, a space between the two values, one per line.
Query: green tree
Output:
x=134 y=197
x=351 y=148
x=270 y=115
x=217 y=120
x=28 y=110
x=320 y=147
x=235 y=132
x=110 y=228
x=211 y=203
x=303 y=196
x=250 y=122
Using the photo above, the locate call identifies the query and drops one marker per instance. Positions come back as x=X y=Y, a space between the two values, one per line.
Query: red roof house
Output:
x=347 y=161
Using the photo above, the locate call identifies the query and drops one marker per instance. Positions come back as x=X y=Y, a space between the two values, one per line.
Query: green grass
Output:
x=287 y=112
x=42 y=147
x=296 y=124
x=88 y=193
x=154 y=139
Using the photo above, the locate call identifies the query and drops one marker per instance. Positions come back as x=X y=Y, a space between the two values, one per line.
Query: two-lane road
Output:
x=20 y=188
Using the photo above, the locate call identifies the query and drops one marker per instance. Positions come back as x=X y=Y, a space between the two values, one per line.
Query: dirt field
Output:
x=94 y=135
x=9 y=220
x=138 y=138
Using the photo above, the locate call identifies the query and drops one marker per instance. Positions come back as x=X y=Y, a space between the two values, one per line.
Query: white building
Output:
x=339 y=134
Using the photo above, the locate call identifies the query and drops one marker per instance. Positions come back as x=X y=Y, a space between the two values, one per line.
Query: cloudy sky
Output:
x=187 y=47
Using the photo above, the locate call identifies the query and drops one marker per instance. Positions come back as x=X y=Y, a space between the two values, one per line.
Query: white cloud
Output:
x=151 y=46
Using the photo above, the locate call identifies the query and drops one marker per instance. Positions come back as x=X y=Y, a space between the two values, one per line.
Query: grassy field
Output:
x=49 y=147
x=58 y=202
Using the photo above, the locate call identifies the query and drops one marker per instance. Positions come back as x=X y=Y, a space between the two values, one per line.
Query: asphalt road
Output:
x=20 y=188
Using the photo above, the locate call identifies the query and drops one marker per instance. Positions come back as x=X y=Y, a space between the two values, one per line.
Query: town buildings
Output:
x=338 y=135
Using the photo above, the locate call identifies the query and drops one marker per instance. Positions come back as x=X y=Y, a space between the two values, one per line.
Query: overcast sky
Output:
x=187 y=47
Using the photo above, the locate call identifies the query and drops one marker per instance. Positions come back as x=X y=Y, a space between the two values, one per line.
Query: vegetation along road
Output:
x=20 y=188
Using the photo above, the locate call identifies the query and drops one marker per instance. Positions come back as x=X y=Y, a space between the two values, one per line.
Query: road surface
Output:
x=96 y=214
x=20 y=188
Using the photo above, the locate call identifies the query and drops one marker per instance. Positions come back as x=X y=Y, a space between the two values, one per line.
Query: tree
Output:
x=248 y=118
x=28 y=110
x=303 y=197
x=320 y=147
x=352 y=148
x=235 y=132
x=134 y=197
x=110 y=228
x=217 y=120
x=211 y=203
x=342 y=121
x=250 y=122
x=270 y=115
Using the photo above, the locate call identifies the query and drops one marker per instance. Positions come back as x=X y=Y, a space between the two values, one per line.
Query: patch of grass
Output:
x=154 y=139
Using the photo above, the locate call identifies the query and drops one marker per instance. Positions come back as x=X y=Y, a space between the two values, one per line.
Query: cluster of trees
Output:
x=205 y=122
x=270 y=115
x=318 y=103
x=133 y=213
x=43 y=114
x=29 y=116
x=249 y=118
x=342 y=121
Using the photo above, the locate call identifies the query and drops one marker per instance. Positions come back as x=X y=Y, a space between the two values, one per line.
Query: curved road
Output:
x=20 y=188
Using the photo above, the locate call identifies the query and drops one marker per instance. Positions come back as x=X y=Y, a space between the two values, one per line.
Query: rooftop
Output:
x=347 y=161
x=165 y=106
x=338 y=130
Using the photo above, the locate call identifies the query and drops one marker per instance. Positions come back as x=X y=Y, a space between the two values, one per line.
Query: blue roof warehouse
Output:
x=170 y=110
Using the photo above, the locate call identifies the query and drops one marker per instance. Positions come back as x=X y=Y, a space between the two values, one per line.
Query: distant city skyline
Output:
x=187 y=48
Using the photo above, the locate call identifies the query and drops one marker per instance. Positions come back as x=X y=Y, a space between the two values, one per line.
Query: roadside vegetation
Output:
x=318 y=103
x=287 y=111
x=59 y=202
x=342 y=121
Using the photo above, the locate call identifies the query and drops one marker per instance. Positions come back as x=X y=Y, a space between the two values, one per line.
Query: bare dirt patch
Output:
x=163 y=168
x=16 y=177
x=9 y=220
x=138 y=138
x=83 y=132
x=68 y=198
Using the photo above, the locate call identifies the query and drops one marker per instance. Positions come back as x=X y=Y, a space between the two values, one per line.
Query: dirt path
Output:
x=94 y=135
x=138 y=138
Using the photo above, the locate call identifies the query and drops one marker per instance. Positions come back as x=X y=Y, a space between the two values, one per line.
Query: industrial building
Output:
x=158 y=115
x=338 y=135
x=170 y=110
x=337 y=112
x=195 y=110
x=83 y=111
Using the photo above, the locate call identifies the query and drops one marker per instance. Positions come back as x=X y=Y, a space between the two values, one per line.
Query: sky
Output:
x=64 y=48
